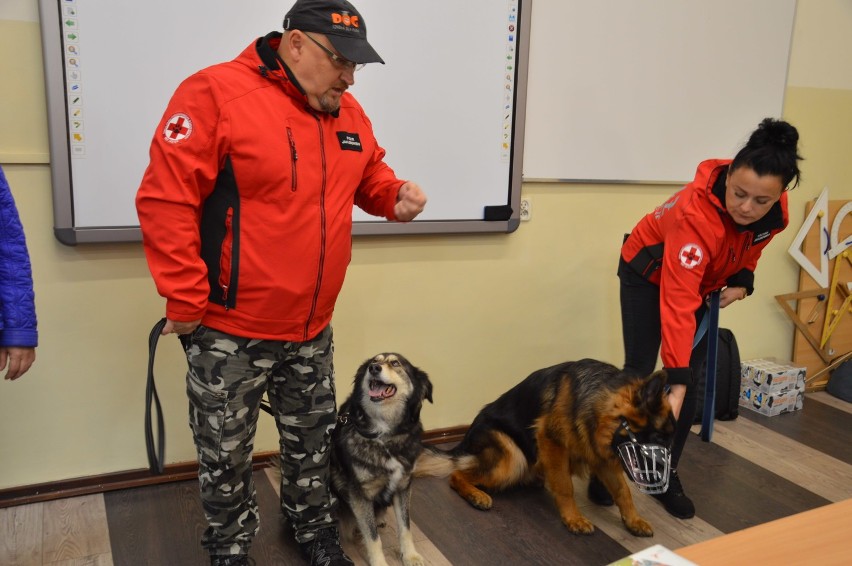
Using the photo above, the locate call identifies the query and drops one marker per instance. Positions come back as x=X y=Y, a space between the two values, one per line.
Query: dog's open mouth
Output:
x=380 y=390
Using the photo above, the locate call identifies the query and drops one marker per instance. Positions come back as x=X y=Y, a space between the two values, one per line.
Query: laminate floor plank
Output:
x=96 y=560
x=812 y=469
x=731 y=492
x=547 y=540
x=21 y=535
x=829 y=399
x=157 y=525
x=75 y=529
x=822 y=427
x=522 y=527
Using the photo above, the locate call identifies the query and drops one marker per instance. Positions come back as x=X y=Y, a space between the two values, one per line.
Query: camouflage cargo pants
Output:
x=226 y=379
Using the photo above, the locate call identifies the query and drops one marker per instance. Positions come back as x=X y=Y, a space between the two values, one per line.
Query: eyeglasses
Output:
x=338 y=61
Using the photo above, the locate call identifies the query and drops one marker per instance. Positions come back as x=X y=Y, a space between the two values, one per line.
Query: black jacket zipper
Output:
x=294 y=156
x=321 y=265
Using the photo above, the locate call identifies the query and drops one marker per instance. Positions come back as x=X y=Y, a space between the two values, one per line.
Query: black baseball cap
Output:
x=339 y=21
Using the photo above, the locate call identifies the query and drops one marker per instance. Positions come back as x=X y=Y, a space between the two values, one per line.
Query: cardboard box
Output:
x=772 y=387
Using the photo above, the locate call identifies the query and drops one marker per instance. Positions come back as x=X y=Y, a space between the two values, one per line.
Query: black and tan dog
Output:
x=376 y=442
x=560 y=421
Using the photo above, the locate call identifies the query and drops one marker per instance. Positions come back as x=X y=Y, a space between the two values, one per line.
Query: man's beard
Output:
x=328 y=104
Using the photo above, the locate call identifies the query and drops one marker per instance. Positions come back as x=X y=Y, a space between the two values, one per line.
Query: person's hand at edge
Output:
x=18 y=359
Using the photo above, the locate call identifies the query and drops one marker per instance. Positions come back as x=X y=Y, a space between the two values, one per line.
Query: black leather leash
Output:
x=157 y=449
x=155 y=455
x=710 y=379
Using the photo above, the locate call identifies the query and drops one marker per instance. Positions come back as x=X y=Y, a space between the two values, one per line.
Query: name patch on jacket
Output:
x=349 y=142
x=760 y=237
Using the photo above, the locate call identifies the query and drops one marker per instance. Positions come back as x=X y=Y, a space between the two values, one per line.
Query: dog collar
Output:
x=344 y=420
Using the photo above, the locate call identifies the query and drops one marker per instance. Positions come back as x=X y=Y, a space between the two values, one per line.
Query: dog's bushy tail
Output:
x=437 y=463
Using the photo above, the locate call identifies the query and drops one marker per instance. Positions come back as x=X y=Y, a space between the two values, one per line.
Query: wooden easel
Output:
x=822 y=314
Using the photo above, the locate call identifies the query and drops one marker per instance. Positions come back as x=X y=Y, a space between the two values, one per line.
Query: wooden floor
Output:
x=755 y=470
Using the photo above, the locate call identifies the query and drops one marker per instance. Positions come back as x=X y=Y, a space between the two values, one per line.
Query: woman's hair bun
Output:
x=777 y=133
x=772 y=149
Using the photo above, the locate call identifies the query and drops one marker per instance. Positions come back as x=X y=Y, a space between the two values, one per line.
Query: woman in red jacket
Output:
x=706 y=237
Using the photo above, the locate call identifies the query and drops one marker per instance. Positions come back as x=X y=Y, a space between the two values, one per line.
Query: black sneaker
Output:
x=231 y=560
x=325 y=550
x=598 y=492
x=675 y=500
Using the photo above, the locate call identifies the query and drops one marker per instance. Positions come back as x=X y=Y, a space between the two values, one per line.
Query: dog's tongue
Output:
x=379 y=390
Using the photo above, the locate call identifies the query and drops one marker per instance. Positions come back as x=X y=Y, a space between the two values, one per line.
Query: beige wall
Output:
x=478 y=313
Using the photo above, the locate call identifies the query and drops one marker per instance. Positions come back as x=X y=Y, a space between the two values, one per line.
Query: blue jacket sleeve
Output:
x=18 y=325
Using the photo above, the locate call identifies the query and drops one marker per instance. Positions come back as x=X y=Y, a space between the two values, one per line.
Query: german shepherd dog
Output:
x=376 y=443
x=560 y=421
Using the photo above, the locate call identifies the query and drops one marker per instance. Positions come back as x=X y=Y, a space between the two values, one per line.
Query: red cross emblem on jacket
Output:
x=178 y=128
x=690 y=255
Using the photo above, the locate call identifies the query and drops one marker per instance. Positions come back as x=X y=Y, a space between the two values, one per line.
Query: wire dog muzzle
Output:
x=646 y=464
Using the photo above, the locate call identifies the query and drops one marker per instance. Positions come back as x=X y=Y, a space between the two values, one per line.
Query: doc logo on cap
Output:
x=339 y=21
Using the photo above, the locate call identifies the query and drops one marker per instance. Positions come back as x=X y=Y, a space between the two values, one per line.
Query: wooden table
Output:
x=820 y=536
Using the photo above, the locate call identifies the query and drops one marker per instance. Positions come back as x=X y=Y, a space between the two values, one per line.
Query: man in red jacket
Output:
x=246 y=216
x=706 y=237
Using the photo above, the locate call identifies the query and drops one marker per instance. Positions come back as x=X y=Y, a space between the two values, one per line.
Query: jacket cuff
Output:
x=19 y=338
x=678 y=376
x=743 y=278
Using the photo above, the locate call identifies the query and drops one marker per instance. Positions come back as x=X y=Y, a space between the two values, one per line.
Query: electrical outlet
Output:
x=526 y=209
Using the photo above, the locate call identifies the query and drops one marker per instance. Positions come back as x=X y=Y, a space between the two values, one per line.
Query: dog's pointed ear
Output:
x=653 y=390
x=427 y=383
x=362 y=370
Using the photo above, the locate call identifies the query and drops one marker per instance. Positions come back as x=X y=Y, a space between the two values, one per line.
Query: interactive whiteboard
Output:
x=447 y=106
